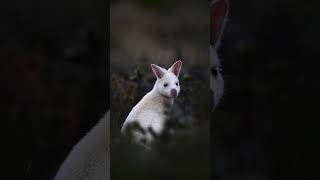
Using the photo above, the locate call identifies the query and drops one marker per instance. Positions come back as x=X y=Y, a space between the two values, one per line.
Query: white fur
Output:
x=149 y=112
x=219 y=12
x=216 y=81
x=90 y=158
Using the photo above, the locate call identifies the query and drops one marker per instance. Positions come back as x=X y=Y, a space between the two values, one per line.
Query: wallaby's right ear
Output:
x=218 y=12
x=176 y=67
x=158 y=71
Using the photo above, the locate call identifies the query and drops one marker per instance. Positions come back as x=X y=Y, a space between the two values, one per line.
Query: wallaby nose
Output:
x=174 y=93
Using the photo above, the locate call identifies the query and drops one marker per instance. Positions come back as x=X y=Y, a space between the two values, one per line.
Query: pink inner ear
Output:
x=156 y=70
x=176 y=68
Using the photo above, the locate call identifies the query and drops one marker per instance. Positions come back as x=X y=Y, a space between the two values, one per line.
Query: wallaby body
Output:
x=89 y=159
x=218 y=13
x=150 y=112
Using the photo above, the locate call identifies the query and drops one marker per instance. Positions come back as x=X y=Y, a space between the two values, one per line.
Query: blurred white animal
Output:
x=90 y=158
x=218 y=13
x=150 y=112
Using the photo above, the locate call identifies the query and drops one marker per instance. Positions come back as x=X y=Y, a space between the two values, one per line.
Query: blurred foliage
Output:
x=185 y=155
x=145 y=32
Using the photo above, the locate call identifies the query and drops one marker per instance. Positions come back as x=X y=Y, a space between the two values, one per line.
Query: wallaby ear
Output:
x=176 y=67
x=158 y=71
x=218 y=12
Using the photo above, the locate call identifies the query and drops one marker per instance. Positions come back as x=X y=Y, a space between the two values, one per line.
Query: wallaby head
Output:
x=218 y=13
x=167 y=83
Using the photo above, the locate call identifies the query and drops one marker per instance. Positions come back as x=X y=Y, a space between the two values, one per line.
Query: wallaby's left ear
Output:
x=176 y=67
x=158 y=71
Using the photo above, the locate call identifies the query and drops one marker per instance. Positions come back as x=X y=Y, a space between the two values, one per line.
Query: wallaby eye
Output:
x=165 y=84
x=177 y=84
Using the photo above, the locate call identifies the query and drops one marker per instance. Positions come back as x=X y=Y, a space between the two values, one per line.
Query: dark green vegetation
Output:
x=161 y=32
x=183 y=155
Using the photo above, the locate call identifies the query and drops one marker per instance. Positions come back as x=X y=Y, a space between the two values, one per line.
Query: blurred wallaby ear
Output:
x=175 y=68
x=158 y=71
x=218 y=13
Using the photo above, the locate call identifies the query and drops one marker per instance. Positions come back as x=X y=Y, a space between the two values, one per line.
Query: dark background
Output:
x=266 y=126
x=53 y=86
x=54 y=83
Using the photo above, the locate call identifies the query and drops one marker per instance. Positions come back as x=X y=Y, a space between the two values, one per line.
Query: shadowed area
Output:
x=265 y=127
x=54 y=81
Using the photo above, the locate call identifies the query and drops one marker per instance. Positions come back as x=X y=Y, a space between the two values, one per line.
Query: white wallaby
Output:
x=90 y=158
x=218 y=13
x=150 y=112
